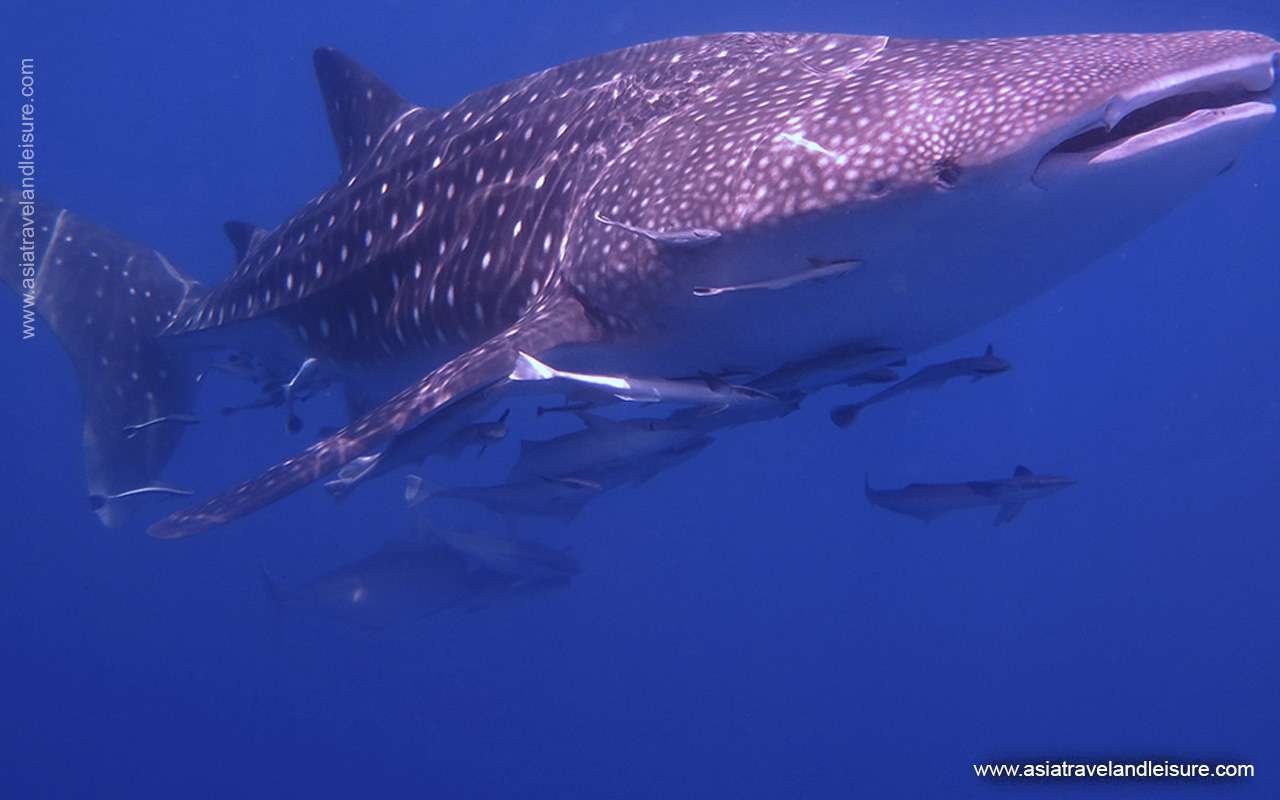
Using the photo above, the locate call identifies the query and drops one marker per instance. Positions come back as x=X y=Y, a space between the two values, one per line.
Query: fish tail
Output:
x=339 y=487
x=843 y=416
x=418 y=490
x=528 y=368
x=107 y=300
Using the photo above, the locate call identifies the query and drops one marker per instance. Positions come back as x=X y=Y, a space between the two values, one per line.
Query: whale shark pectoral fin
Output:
x=558 y=319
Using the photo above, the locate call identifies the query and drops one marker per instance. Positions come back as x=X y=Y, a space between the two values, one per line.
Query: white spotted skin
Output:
x=918 y=160
x=911 y=156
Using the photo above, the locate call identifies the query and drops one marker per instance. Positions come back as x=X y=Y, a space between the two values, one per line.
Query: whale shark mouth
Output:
x=1163 y=113
x=1166 y=111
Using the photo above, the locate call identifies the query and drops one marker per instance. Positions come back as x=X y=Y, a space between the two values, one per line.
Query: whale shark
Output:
x=735 y=201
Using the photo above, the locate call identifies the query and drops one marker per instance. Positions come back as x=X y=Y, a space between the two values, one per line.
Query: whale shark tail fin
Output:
x=107 y=300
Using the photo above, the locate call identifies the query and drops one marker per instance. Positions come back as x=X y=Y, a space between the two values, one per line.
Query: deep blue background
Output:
x=747 y=625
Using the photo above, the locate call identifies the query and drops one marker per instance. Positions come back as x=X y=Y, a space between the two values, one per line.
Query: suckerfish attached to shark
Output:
x=927 y=501
x=710 y=393
x=581 y=214
x=440 y=435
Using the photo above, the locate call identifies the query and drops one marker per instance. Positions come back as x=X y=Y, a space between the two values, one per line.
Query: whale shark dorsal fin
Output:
x=1021 y=472
x=360 y=105
x=243 y=236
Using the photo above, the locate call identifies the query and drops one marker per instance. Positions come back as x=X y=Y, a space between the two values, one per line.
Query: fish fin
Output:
x=714 y=382
x=107 y=300
x=1022 y=472
x=751 y=391
x=361 y=106
x=244 y=236
x=528 y=368
x=843 y=416
x=503 y=417
x=556 y=319
x=574 y=483
x=351 y=475
x=1007 y=512
x=418 y=490
x=711 y=411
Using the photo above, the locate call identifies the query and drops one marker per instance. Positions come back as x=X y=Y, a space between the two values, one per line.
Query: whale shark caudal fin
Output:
x=558 y=318
x=107 y=300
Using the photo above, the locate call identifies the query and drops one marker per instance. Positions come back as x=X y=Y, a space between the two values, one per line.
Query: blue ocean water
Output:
x=746 y=625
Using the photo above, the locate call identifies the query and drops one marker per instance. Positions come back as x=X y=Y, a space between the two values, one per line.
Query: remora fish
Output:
x=409 y=580
x=526 y=562
x=433 y=436
x=931 y=377
x=602 y=443
x=709 y=392
x=562 y=497
x=477 y=435
x=927 y=501
x=569 y=215
x=837 y=365
x=131 y=431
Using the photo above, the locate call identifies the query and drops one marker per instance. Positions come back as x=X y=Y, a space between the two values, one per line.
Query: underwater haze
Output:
x=746 y=623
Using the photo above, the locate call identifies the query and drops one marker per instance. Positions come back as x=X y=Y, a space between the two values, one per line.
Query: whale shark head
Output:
x=961 y=177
